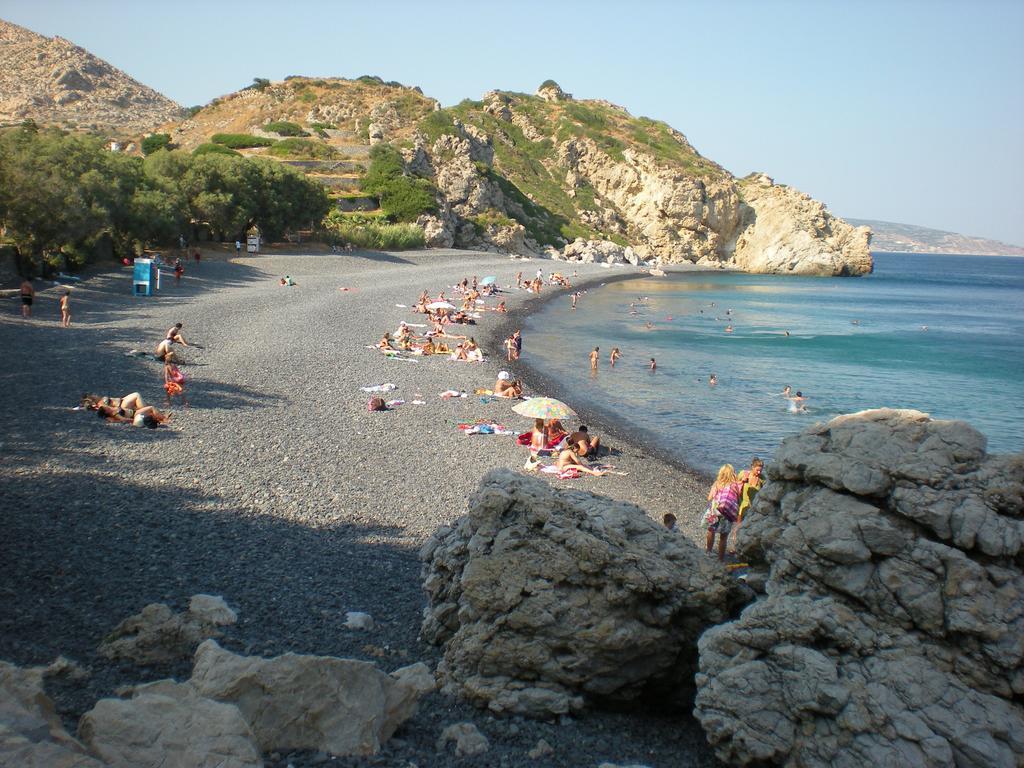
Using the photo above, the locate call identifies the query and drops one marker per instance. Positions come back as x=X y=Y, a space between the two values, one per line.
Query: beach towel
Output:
x=380 y=388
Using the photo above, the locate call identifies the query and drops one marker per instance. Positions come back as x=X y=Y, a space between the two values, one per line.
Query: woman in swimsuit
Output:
x=568 y=459
x=141 y=417
x=131 y=401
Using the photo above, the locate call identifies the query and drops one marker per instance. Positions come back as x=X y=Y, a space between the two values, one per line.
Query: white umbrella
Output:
x=440 y=305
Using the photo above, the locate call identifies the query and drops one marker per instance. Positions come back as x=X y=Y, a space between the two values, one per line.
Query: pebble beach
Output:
x=277 y=488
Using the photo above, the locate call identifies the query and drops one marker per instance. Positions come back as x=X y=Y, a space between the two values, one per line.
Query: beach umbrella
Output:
x=488 y=280
x=544 y=408
x=440 y=305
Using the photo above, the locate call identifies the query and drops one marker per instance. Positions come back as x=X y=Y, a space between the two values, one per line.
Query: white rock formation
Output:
x=169 y=726
x=785 y=231
x=893 y=630
x=544 y=599
x=157 y=634
x=340 y=706
x=467 y=739
x=31 y=733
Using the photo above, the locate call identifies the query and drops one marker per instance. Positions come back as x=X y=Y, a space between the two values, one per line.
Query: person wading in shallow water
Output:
x=593 y=358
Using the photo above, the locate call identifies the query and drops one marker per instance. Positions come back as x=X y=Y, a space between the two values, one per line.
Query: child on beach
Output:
x=174 y=380
x=65 y=308
x=723 y=504
x=28 y=294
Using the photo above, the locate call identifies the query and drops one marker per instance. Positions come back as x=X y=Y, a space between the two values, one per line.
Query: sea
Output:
x=942 y=334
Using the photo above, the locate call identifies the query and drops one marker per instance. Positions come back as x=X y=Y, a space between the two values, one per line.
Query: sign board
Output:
x=253 y=244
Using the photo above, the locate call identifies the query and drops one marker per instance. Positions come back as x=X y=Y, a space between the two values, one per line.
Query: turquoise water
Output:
x=941 y=334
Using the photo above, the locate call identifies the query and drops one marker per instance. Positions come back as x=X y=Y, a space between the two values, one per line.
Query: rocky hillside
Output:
x=906 y=238
x=54 y=82
x=575 y=178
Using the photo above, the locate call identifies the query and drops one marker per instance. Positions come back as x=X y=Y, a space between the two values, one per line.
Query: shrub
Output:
x=215 y=149
x=258 y=84
x=303 y=149
x=193 y=111
x=402 y=197
x=156 y=141
x=436 y=124
x=240 y=140
x=285 y=128
x=322 y=126
x=365 y=232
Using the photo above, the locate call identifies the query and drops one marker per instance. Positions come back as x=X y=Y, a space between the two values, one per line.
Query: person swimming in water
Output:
x=797 y=403
x=712 y=380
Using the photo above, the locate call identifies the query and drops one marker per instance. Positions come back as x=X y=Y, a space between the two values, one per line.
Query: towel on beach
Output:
x=380 y=388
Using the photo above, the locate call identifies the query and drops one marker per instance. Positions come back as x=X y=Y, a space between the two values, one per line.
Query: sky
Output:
x=906 y=111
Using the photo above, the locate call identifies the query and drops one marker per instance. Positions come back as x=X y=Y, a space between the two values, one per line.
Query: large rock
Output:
x=340 y=706
x=893 y=628
x=545 y=599
x=169 y=726
x=31 y=733
x=785 y=231
x=157 y=634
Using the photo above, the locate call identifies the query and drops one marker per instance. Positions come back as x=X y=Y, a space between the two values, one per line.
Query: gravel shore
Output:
x=277 y=489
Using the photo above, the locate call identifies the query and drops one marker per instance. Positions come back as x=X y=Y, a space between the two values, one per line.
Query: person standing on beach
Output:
x=519 y=279
x=517 y=344
x=615 y=355
x=510 y=347
x=238 y=247
x=593 y=358
x=575 y=297
x=723 y=503
x=28 y=295
x=65 y=308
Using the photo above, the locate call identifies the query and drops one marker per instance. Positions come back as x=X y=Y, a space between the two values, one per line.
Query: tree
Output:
x=156 y=141
x=402 y=197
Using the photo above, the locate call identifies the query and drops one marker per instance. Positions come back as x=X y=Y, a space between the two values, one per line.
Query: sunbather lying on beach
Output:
x=93 y=402
x=147 y=416
x=568 y=459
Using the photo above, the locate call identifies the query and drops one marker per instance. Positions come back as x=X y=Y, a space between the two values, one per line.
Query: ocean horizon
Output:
x=941 y=334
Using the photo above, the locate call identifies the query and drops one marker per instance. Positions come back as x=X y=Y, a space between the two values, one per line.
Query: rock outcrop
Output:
x=31 y=733
x=787 y=232
x=341 y=706
x=157 y=634
x=53 y=81
x=546 y=600
x=893 y=627
x=169 y=726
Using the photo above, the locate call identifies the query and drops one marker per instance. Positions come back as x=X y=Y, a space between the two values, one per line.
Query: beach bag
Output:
x=376 y=404
x=710 y=516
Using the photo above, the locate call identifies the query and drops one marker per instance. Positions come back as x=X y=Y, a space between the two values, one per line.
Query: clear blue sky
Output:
x=902 y=111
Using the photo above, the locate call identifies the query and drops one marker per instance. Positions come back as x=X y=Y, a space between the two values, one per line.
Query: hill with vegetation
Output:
x=907 y=238
x=54 y=82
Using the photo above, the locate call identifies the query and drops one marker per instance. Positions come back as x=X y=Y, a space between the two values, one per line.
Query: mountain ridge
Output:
x=911 y=238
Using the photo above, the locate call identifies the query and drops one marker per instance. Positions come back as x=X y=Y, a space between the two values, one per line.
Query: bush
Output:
x=285 y=128
x=258 y=84
x=241 y=140
x=156 y=141
x=215 y=149
x=302 y=149
x=193 y=111
x=402 y=197
x=366 y=232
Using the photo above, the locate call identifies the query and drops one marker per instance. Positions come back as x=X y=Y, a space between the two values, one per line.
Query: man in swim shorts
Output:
x=28 y=295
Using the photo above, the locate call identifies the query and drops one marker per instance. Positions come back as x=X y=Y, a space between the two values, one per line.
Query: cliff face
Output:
x=538 y=173
x=53 y=81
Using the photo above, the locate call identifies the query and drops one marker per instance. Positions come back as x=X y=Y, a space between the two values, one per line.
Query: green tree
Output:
x=156 y=141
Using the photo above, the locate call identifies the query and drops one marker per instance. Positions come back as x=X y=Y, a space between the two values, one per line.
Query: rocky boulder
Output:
x=785 y=231
x=545 y=600
x=31 y=733
x=340 y=706
x=599 y=251
x=169 y=726
x=157 y=634
x=892 y=631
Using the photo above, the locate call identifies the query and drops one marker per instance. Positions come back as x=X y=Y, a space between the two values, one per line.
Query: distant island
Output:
x=906 y=238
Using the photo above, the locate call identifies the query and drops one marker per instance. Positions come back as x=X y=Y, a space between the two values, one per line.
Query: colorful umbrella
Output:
x=488 y=280
x=544 y=408
x=440 y=305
